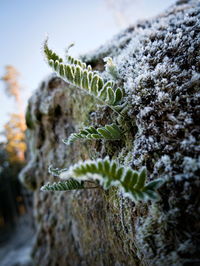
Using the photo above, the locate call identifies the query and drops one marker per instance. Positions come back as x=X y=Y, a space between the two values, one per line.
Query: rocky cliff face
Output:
x=158 y=65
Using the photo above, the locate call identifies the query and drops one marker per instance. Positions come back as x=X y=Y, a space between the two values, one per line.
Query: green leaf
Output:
x=91 y=130
x=154 y=184
x=96 y=136
x=107 y=167
x=141 y=179
x=94 y=84
x=119 y=173
x=90 y=77
x=152 y=195
x=49 y=54
x=118 y=96
x=104 y=133
x=114 y=131
x=70 y=184
x=78 y=74
x=108 y=84
x=89 y=68
x=102 y=94
x=110 y=96
x=134 y=179
x=127 y=177
x=62 y=70
x=108 y=173
x=69 y=73
x=85 y=80
x=109 y=132
x=100 y=83
x=57 y=66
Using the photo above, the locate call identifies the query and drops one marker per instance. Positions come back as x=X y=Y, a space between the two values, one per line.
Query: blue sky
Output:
x=24 y=24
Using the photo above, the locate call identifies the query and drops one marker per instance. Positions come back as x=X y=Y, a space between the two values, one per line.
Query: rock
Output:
x=158 y=67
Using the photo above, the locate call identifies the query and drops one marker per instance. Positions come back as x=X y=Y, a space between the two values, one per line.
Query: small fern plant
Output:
x=101 y=172
x=108 y=132
x=107 y=173
x=80 y=75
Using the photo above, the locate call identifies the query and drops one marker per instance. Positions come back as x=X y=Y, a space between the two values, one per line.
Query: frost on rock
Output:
x=157 y=63
x=159 y=70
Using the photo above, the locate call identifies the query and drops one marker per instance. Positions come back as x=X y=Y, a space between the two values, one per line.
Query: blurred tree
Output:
x=15 y=127
x=12 y=85
x=15 y=135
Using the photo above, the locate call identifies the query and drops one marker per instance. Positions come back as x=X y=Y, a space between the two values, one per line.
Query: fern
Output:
x=50 y=55
x=109 y=132
x=111 y=67
x=135 y=187
x=106 y=172
x=69 y=184
x=109 y=173
x=78 y=74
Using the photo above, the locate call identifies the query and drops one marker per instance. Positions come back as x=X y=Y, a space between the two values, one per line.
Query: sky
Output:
x=25 y=23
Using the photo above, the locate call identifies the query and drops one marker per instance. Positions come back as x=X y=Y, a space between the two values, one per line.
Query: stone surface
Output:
x=158 y=65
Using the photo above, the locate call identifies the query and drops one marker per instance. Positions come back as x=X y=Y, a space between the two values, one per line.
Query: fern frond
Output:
x=66 y=185
x=50 y=55
x=109 y=132
x=111 y=67
x=78 y=74
x=134 y=187
x=108 y=173
x=72 y=61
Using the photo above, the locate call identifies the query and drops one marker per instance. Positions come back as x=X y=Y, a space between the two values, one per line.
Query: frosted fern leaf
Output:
x=108 y=132
x=108 y=173
x=78 y=74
